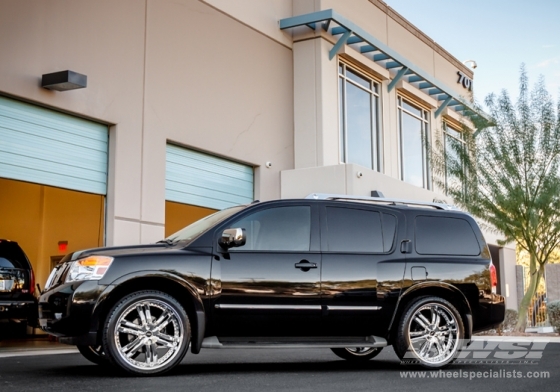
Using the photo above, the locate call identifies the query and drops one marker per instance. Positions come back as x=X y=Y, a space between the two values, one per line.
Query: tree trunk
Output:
x=535 y=276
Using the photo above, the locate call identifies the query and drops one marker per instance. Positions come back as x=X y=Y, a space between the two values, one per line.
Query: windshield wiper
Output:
x=167 y=241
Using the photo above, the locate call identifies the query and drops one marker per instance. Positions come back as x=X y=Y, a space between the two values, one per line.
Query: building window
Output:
x=414 y=131
x=359 y=118
x=454 y=143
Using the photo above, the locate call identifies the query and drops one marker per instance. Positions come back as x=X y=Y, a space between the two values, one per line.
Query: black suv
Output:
x=347 y=273
x=18 y=304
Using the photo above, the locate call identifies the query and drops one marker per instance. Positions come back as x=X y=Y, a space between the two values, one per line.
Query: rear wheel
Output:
x=357 y=354
x=430 y=333
x=147 y=333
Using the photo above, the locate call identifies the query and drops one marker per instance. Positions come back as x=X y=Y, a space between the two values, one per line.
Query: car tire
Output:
x=430 y=333
x=357 y=354
x=94 y=354
x=147 y=333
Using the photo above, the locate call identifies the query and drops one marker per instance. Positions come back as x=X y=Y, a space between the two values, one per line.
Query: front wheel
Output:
x=147 y=333
x=430 y=333
x=357 y=354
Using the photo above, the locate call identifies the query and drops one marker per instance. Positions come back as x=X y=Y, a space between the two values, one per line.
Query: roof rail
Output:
x=385 y=200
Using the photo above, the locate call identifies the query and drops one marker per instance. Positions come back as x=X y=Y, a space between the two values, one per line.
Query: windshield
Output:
x=195 y=229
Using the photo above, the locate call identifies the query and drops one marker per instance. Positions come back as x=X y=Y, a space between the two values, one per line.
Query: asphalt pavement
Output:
x=277 y=370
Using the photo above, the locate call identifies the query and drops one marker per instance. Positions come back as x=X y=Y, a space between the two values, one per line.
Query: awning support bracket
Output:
x=396 y=79
x=443 y=106
x=339 y=44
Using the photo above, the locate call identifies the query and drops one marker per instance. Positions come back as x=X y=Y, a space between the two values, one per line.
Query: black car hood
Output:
x=116 y=251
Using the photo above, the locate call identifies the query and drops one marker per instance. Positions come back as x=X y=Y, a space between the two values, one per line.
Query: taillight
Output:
x=31 y=282
x=493 y=278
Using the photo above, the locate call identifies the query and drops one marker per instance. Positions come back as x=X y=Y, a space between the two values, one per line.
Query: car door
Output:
x=271 y=285
x=361 y=269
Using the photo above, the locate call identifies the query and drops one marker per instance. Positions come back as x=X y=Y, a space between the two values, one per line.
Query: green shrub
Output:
x=553 y=309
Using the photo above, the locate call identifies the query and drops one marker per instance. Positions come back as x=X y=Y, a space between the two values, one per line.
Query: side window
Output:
x=445 y=236
x=354 y=230
x=281 y=228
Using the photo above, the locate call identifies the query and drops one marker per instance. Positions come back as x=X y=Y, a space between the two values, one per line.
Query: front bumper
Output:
x=19 y=310
x=69 y=311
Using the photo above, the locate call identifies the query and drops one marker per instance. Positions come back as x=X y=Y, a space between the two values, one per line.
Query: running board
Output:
x=293 y=342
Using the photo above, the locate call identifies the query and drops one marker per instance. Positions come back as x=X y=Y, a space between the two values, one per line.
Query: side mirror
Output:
x=232 y=238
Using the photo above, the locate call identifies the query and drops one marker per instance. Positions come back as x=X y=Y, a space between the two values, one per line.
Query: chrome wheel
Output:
x=357 y=354
x=147 y=333
x=361 y=351
x=433 y=333
x=430 y=333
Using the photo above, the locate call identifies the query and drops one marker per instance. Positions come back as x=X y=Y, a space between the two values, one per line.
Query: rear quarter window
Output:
x=11 y=256
x=5 y=263
x=437 y=235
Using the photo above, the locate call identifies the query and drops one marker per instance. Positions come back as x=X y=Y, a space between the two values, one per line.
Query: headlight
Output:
x=90 y=268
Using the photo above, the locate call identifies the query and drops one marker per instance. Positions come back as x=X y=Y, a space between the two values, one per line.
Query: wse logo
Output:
x=498 y=352
x=504 y=350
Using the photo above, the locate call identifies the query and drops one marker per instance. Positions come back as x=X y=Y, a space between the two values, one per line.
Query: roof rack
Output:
x=385 y=200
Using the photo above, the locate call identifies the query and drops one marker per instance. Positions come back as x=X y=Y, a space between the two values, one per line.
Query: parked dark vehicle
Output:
x=18 y=305
x=347 y=273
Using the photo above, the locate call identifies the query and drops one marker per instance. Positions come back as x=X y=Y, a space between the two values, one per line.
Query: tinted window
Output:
x=353 y=230
x=281 y=228
x=11 y=256
x=6 y=263
x=445 y=236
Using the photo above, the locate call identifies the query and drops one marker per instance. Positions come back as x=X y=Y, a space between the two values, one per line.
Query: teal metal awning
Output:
x=367 y=45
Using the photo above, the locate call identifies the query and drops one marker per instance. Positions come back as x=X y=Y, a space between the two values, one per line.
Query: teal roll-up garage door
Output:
x=192 y=177
x=51 y=148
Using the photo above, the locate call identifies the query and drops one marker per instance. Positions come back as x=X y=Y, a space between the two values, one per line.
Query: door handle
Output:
x=406 y=246
x=305 y=265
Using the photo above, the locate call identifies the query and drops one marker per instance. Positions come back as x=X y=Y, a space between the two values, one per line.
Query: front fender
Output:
x=190 y=297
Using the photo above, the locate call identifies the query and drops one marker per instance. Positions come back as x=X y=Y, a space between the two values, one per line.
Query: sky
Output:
x=499 y=35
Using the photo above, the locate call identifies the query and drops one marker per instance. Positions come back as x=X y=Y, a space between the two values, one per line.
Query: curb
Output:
x=35 y=352
x=15 y=352
x=544 y=339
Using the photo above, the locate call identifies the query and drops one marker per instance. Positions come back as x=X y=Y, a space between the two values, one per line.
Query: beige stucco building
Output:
x=200 y=104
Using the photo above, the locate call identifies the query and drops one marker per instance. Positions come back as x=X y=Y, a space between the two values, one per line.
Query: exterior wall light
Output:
x=63 y=81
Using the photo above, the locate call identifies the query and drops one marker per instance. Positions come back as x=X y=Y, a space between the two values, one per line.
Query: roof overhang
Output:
x=347 y=33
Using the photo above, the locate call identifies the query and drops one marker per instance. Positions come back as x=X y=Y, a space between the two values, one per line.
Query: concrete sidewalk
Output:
x=33 y=346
